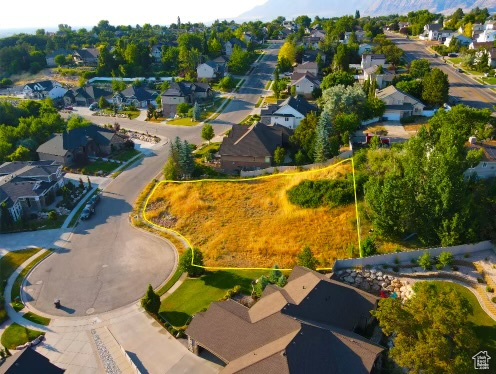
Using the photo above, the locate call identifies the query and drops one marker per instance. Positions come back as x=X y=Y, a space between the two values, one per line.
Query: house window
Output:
x=286 y=119
x=484 y=164
x=28 y=201
x=267 y=159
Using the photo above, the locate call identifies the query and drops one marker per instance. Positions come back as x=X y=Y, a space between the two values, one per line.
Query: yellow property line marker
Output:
x=247 y=180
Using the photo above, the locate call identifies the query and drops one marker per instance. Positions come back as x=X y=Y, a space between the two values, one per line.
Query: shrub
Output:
x=480 y=280
x=186 y=264
x=445 y=258
x=52 y=215
x=493 y=299
x=274 y=274
x=439 y=266
x=466 y=255
x=489 y=289
x=454 y=268
x=409 y=119
x=313 y=194
x=425 y=261
x=260 y=285
x=151 y=301
x=369 y=248
x=396 y=269
x=305 y=258
x=396 y=260
x=233 y=291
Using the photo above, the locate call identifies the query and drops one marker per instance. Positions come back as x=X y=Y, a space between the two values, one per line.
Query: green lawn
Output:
x=455 y=60
x=99 y=165
x=489 y=80
x=195 y=295
x=182 y=122
x=16 y=287
x=37 y=319
x=259 y=102
x=267 y=86
x=125 y=154
x=484 y=326
x=209 y=148
x=166 y=287
x=216 y=86
x=16 y=335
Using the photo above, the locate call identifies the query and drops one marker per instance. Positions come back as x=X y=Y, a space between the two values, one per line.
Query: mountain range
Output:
x=335 y=8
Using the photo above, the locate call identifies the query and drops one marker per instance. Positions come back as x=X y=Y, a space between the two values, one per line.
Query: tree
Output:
x=60 y=60
x=419 y=68
x=214 y=48
x=357 y=14
x=151 y=301
x=183 y=109
x=436 y=88
x=279 y=155
x=77 y=121
x=338 y=78
x=274 y=274
x=6 y=220
x=303 y=137
x=341 y=59
x=186 y=160
x=288 y=52
x=102 y=103
x=305 y=258
x=20 y=154
x=369 y=248
x=341 y=99
x=260 y=285
x=432 y=332
x=187 y=265
x=196 y=113
x=89 y=182
x=413 y=87
x=299 y=158
x=227 y=83
x=322 y=138
x=446 y=258
x=118 y=85
x=207 y=132
x=239 y=61
x=171 y=169
x=425 y=261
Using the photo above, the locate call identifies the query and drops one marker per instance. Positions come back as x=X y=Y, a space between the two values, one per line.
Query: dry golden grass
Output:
x=252 y=223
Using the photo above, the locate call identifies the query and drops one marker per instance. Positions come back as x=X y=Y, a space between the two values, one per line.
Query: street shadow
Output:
x=109 y=206
x=176 y=318
x=137 y=362
x=67 y=309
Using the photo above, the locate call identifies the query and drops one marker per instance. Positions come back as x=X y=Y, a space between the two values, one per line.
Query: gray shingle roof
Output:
x=29 y=361
x=300 y=104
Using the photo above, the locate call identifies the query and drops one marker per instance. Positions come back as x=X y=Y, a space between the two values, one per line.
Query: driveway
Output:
x=395 y=131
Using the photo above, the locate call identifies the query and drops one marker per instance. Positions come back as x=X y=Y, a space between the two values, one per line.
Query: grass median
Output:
x=16 y=335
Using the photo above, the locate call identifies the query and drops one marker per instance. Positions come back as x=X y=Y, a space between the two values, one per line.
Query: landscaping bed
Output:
x=196 y=294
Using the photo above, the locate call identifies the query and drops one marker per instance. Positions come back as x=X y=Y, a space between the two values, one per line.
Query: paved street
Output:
x=462 y=87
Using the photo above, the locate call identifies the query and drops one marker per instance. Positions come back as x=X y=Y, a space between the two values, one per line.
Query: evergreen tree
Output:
x=357 y=14
x=322 y=138
x=186 y=160
x=274 y=274
x=305 y=258
x=151 y=301
x=276 y=87
x=262 y=282
x=6 y=219
x=196 y=112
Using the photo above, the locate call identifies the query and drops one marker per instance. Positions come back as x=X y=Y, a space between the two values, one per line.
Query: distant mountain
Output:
x=384 y=7
x=335 y=8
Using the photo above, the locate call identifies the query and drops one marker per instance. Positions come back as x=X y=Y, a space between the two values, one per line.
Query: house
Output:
x=307 y=67
x=477 y=45
x=156 y=50
x=249 y=38
x=364 y=48
x=312 y=54
x=29 y=361
x=86 y=56
x=28 y=187
x=311 y=42
x=211 y=70
x=43 y=89
x=140 y=97
x=461 y=39
x=399 y=104
x=77 y=145
x=487 y=35
x=309 y=326
x=360 y=36
x=249 y=148
x=183 y=92
x=284 y=33
x=487 y=167
x=231 y=43
x=289 y=113
x=305 y=84
x=430 y=31
x=370 y=59
x=50 y=58
x=382 y=76
x=85 y=96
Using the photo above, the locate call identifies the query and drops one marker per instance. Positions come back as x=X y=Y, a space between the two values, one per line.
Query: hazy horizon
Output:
x=33 y=14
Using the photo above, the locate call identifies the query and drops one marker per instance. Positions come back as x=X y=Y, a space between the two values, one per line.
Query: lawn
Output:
x=125 y=154
x=37 y=319
x=485 y=326
x=194 y=295
x=16 y=287
x=186 y=121
x=208 y=148
x=252 y=223
x=132 y=114
x=455 y=60
x=216 y=86
x=16 y=335
x=489 y=80
x=99 y=165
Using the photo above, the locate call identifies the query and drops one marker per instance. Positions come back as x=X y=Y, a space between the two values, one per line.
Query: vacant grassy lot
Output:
x=196 y=294
x=252 y=223
x=15 y=335
x=484 y=326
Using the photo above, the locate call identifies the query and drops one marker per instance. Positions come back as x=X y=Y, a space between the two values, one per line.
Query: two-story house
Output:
x=211 y=69
x=371 y=59
x=140 y=97
x=43 y=89
x=86 y=56
x=305 y=84
x=28 y=187
x=288 y=113
x=183 y=92
x=231 y=43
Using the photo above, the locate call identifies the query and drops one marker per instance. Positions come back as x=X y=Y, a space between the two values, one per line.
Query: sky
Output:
x=50 y=13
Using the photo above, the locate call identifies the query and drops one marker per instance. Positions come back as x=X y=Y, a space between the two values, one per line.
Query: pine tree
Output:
x=196 y=112
x=373 y=87
x=186 y=160
x=274 y=274
x=151 y=301
x=6 y=219
x=321 y=150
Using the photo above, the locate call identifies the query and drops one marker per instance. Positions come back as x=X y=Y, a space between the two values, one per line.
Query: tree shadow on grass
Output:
x=176 y=319
x=486 y=336
x=226 y=280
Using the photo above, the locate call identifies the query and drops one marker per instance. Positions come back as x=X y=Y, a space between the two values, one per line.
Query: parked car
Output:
x=93 y=106
x=68 y=108
x=452 y=55
x=86 y=214
x=459 y=70
x=94 y=199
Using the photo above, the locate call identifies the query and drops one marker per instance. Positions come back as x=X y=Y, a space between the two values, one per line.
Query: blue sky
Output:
x=36 y=13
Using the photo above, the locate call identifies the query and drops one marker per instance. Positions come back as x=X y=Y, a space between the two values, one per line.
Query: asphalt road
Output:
x=462 y=87
x=106 y=263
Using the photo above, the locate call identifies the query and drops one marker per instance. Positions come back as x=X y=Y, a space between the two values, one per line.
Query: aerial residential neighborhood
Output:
x=248 y=187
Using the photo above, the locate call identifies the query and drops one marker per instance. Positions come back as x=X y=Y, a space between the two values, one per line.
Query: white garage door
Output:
x=392 y=116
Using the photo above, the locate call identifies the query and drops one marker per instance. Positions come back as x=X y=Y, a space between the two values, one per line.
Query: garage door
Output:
x=392 y=116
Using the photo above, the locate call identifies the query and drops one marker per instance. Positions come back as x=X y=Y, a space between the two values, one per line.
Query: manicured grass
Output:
x=16 y=287
x=125 y=154
x=216 y=86
x=182 y=122
x=37 y=319
x=8 y=264
x=489 y=80
x=455 y=60
x=99 y=165
x=166 y=287
x=259 y=102
x=16 y=335
x=209 y=148
x=484 y=326
x=78 y=213
x=195 y=295
x=267 y=86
